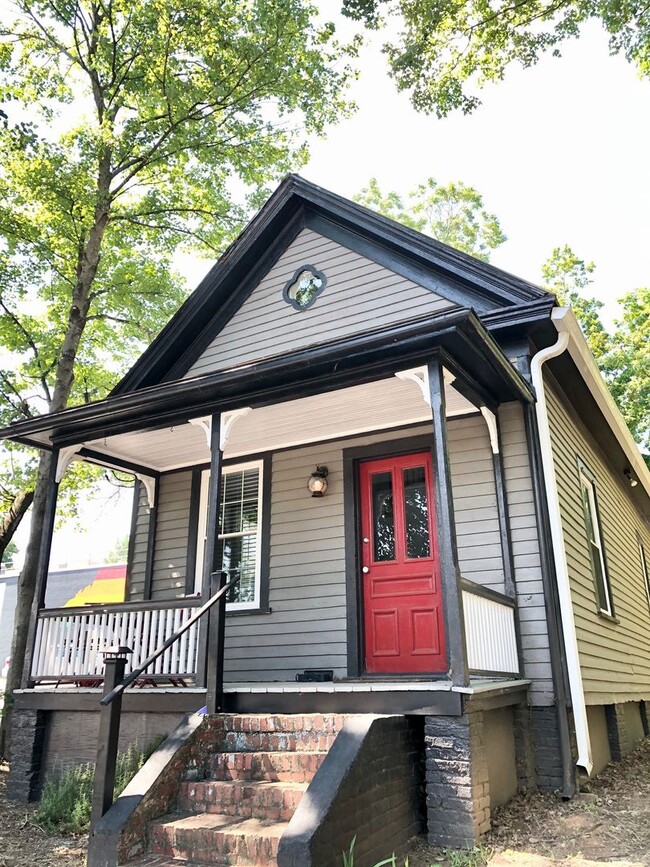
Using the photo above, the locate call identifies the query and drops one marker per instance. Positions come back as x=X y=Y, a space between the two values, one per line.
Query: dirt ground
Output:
x=608 y=823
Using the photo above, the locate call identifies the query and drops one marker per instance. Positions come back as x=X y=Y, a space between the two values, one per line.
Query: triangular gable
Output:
x=358 y=294
x=431 y=273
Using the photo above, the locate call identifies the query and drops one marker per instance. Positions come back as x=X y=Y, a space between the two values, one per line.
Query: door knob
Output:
x=365 y=570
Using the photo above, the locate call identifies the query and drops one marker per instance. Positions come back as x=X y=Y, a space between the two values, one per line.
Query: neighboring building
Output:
x=479 y=559
x=65 y=587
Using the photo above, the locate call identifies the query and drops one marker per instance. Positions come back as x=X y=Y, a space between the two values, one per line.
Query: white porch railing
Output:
x=489 y=631
x=70 y=641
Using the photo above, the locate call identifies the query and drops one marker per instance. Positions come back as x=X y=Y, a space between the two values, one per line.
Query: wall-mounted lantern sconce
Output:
x=630 y=478
x=317 y=484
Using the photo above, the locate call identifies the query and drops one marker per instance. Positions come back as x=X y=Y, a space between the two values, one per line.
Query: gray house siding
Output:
x=140 y=534
x=526 y=555
x=357 y=291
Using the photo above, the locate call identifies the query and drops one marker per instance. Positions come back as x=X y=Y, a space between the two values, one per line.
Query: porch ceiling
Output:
x=384 y=404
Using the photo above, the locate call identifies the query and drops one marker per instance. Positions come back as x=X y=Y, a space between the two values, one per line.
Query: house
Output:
x=433 y=507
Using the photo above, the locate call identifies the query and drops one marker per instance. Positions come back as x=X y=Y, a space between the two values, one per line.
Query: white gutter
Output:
x=559 y=553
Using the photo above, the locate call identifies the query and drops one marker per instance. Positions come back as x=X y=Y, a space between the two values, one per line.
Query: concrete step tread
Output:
x=164 y=861
x=222 y=823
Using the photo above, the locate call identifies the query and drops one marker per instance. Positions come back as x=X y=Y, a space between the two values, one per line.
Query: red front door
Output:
x=403 y=618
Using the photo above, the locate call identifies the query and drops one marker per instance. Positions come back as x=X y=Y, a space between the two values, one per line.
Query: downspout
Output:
x=584 y=759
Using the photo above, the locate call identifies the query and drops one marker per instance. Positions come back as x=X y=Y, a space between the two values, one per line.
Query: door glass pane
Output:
x=383 y=518
x=416 y=513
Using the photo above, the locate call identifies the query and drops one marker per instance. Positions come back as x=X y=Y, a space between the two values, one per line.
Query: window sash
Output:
x=257 y=533
x=595 y=543
x=644 y=567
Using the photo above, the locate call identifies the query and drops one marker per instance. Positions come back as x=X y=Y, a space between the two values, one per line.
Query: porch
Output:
x=411 y=546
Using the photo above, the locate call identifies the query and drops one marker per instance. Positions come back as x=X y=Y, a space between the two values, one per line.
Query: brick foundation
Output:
x=458 y=793
x=626 y=727
x=26 y=751
x=546 y=748
x=524 y=749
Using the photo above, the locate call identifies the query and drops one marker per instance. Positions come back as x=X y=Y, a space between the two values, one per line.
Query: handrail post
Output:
x=109 y=733
x=216 y=642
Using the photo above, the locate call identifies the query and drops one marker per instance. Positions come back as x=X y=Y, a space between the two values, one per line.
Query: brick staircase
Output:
x=253 y=785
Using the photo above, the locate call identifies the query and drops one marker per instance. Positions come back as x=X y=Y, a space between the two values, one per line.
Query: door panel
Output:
x=403 y=620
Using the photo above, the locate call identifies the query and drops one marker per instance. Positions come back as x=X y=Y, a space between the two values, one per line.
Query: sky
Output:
x=559 y=153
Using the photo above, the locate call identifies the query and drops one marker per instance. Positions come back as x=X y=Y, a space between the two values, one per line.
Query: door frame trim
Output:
x=352 y=457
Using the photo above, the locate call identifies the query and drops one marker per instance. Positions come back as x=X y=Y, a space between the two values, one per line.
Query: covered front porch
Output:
x=396 y=589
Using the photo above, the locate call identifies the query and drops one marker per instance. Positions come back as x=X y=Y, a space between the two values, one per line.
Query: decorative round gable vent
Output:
x=304 y=287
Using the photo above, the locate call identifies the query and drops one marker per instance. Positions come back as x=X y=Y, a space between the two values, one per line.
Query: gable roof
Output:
x=297 y=204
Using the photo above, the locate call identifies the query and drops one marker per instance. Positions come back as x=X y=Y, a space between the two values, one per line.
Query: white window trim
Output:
x=644 y=566
x=203 y=528
x=590 y=486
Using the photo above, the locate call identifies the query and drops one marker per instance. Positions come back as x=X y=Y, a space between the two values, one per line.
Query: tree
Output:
x=622 y=355
x=567 y=276
x=447 y=50
x=627 y=365
x=453 y=214
x=131 y=129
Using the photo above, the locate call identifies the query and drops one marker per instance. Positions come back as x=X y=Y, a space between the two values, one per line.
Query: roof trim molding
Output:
x=457 y=334
x=295 y=204
x=565 y=322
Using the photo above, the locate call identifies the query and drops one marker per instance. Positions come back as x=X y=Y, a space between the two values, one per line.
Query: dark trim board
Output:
x=424 y=703
x=295 y=204
x=134 y=701
x=458 y=335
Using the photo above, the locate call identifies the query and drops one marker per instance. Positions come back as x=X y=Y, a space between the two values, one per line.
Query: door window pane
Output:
x=383 y=517
x=416 y=513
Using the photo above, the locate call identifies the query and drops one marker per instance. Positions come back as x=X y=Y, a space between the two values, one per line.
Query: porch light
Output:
x=630 y=478
x=317 y=484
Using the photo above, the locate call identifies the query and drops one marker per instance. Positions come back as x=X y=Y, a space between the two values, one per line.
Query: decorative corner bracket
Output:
x=228 y=419
x=491 y=421
x=65 y=458
x=419 y=376
x=150 y=487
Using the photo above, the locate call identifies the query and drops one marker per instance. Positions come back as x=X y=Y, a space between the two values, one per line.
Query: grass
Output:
x=67 y=794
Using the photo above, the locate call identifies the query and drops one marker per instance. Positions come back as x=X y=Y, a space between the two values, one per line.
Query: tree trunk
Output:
x=25 y=598
x=11 y=521
x=88 y=262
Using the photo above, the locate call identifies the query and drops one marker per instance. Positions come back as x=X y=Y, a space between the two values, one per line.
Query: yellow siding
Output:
x=614 y=656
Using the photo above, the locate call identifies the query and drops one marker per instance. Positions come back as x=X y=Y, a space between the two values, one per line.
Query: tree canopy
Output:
x=446 y=51
x=452 y=213
x=130 y=130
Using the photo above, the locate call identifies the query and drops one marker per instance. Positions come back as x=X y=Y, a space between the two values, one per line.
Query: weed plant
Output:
x=67 y=794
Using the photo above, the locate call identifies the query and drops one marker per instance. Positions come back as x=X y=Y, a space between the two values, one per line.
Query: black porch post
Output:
x=109 y=734
x=210 y=564
x=509 y=587
x=44 y=552
x=448 y=551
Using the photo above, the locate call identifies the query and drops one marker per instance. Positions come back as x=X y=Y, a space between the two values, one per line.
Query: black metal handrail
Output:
x=137 y=672
x=115 y=683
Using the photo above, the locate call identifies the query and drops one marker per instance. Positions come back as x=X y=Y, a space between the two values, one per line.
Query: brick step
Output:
x=310 y=741
x=311 y=722
x=163 y=861
x=259 y=799
x=278 y=767
x=211 y=838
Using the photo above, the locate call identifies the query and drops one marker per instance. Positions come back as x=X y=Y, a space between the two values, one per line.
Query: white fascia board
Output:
x=565 y=322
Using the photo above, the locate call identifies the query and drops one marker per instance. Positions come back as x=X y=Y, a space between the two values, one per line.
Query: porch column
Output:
x=210 y=563
x=57 y=468
x=446 y=525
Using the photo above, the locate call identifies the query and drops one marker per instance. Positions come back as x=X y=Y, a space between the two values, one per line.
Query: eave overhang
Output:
x=457 y=337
